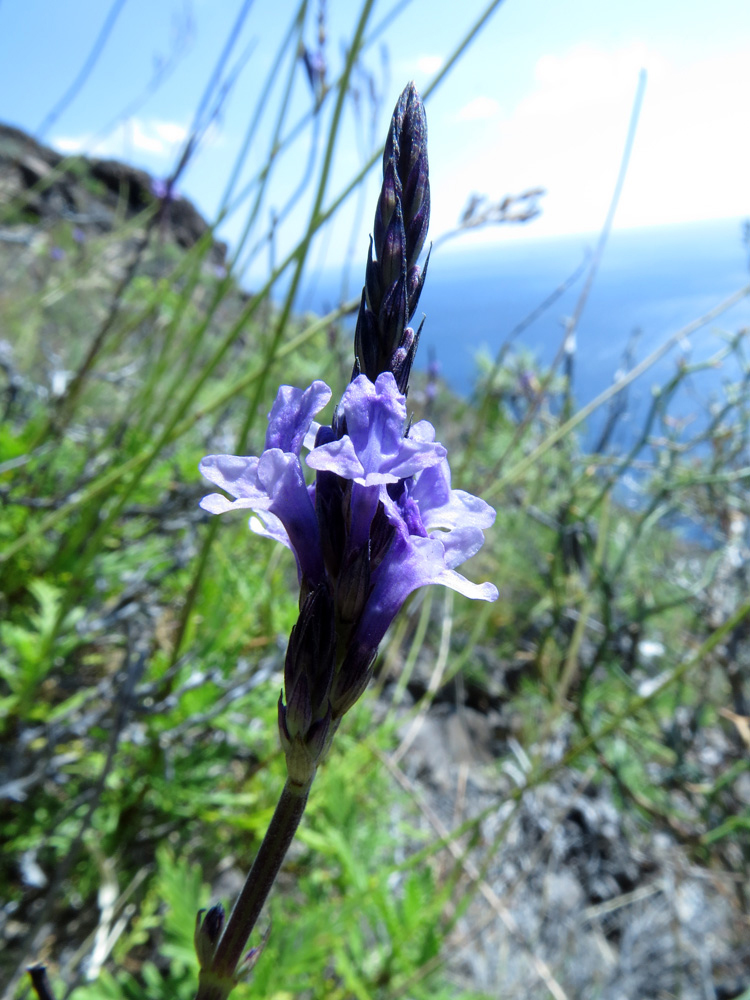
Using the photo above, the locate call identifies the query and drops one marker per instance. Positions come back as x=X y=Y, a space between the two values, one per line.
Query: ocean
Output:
x=652 y=281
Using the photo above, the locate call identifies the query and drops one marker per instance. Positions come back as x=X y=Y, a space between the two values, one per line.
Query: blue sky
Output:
x=542 y=98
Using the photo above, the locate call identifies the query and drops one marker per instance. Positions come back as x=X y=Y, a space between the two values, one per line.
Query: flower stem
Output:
x=219 y=978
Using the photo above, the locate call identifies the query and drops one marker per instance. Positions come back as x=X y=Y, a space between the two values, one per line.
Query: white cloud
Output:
x=170 y=132
x=690 y=159
x=429 y=65
x=478 y=109
x=145 y=139
x=71 y=144
x=157 y=139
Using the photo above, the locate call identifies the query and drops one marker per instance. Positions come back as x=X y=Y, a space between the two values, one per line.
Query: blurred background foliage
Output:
x=142 y=645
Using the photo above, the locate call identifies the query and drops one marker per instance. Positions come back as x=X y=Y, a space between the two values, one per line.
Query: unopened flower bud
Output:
x=381 y=536
x=406 y=148
x=299 y=715
x=329 y=510
x=403 y=357
x=393 y=282
x=207 y=933
x=304 y=751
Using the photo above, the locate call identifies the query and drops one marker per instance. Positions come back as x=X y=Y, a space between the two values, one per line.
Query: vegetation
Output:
x=141 y=657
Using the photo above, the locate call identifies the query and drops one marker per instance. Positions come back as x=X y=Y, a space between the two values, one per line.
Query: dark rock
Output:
x=86 y=191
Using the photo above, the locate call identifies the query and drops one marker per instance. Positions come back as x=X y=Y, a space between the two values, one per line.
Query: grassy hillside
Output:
x=531 y=783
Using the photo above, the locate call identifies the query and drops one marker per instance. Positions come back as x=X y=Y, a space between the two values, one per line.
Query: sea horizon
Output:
x=652 y=281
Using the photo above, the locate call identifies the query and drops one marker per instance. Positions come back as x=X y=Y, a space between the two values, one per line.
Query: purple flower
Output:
x=398 y=526
x=57 y=253
x=380 y=518
x=273 y=485
x=436 y=529
x=163 y=190
x=374 y=450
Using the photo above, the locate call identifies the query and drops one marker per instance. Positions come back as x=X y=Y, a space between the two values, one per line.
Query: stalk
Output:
x=219 y=977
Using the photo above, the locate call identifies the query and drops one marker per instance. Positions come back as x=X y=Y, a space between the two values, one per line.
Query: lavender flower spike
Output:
x=370 y=517
x=383 y=341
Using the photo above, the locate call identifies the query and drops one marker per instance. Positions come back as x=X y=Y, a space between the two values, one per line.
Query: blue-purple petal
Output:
x=292 y=413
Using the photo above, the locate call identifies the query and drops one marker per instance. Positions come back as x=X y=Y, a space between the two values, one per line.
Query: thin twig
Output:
x=499 y=909
x=567 y=345
x=91 y=60
x=494 y=488
x=435 y=680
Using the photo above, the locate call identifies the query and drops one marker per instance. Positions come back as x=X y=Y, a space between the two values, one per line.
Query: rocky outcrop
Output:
x=39 y=186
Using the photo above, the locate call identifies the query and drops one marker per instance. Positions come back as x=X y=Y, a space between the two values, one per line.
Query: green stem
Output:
x=217 y=981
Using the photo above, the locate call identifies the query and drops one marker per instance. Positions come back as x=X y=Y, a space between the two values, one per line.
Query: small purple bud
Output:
x=415 y=283
x=78 y=235
x=393 y=251
x=403 y=357
x=366 y=339
x=163 y=190
x=57 y=253
x=393 y=282
x=372 y=293
x=250 y=959
x=329 y=509
x=316 y=68
x=416 y=233
x=393 y=317
x=407 y=141
x=207 y=933
x=381 y=536
x=390 y=198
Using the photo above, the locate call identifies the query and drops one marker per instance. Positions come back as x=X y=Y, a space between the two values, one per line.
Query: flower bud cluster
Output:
x=383 y=341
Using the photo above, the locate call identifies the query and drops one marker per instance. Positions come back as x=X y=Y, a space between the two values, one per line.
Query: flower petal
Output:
x=442 y=507
x=274 y=487
x=233 y=473
x=291 y=415
x=267 y=525
x=374 y=451
x=414 y=562
x=339 y=457
x=217 y=503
